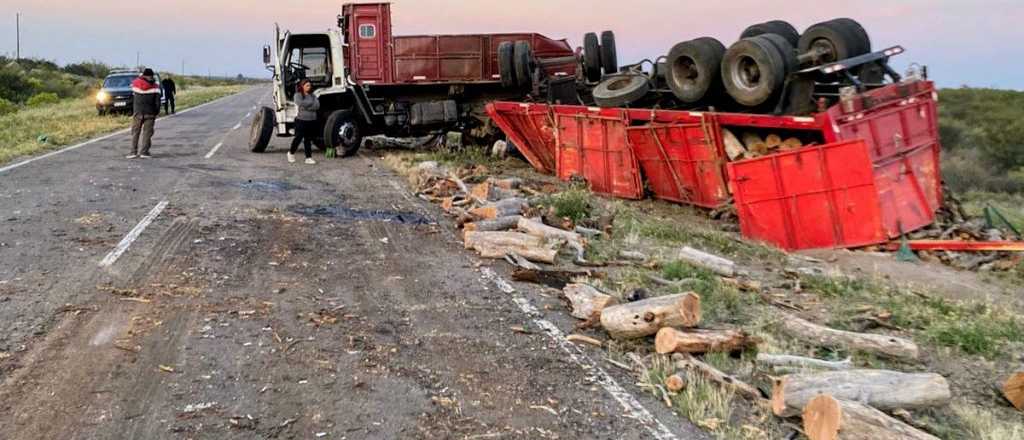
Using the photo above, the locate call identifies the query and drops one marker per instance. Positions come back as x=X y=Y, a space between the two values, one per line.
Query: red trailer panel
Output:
x=680 y=162
x=817 y=197
x=531 y=128
x=594 y=147
x=894 y=124
x=909 y=190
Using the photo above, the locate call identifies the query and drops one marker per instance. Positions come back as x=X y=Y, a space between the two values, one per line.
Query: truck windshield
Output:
x=313 y=57
x=118 y=82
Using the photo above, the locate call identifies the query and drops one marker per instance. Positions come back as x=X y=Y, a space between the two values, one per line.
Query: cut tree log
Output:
x=538 y=229
x=587 y=302
x=500 y=244
x=497 y=252
x=827 y=418
x=675 y=383
x=670 y=340
x=754 y=143
x=1013 y=390
x=785 y=360
x=882 y=389
x=773 y=141
x=687 y=362
x=792 y=144
x=733 y=147
x=827 y=337
x=502 y=208
x=644 y=318
x=708 y=261
x=554 y=278
x=498 y=224
x=481 y=191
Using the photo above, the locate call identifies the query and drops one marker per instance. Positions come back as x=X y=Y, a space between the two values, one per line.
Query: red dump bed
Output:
x=377 y=57
x=870 y=171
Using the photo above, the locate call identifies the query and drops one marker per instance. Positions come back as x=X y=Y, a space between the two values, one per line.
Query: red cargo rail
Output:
x=869 y=173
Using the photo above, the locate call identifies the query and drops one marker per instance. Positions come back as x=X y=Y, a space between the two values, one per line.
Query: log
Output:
x=773 y=141
x=882 y=389
x=826 y=418
x=670 y=340
x=498 y=224
x=587 y=302
x=675 y=383
x=707 y=261
x=538 y=229
x=1013 y=390
x=497 y=252
x=754 y=143
x=783 y=360
x=553 y=278
x=481 y=191
x=827 y=337
x=791 y=144
x=502 y=208
x=687 y=362
x=646 y=317
x=498 y=238
x=733 y=147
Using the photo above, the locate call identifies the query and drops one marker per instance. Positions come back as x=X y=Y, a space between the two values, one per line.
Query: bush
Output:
x=43 y=99
x=7 y=107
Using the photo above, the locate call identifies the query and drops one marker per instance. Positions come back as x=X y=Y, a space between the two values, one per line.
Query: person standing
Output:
x=305 y=121
x=170 y=90
x=145 y=108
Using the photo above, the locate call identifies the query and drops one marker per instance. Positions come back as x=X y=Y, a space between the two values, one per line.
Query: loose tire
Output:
x=261 y=131
x=343 y=133
x=693 y=68
x=609 y=54
x=621 y=90
x=839 y=42
x=506 y=64
x=777 y=27
x=753 y=71
x=524 y=64
x=858 y=32
x=591 y=57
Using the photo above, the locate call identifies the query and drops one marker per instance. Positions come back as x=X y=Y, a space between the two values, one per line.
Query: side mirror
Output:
x=266 y=55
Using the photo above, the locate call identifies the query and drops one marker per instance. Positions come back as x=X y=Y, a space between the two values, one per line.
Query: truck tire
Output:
x=506 y=64
x=858 y=32
x=609 y=54
x=693 y=68
x=261 y=131
x=753 y=71
x=777 y=27
x=621 y=90
x=839 y=42
x=786 y=51
x=523 y=61
x=591 y=57
x=342 y=132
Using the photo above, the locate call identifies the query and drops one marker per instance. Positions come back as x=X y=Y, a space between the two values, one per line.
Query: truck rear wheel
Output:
x=837 y=42
x=261 y=131
x=786 y=51
x=858 y=32
x=342 y=132
x=621 y=90
x=506 y=64
x=753 y=71
x=592 y=57
x=524 y=64
x=609 y=54
x=777 y=27
x=694 y=68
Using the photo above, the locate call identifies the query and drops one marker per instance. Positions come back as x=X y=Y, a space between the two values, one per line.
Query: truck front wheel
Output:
x=262 y=129
x=342 y=132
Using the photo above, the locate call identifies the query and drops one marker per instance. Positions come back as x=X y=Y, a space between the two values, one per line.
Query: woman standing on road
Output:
x=305 y=121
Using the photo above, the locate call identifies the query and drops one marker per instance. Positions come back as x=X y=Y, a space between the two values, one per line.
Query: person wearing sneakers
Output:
x=305 y=121
x=145 y=108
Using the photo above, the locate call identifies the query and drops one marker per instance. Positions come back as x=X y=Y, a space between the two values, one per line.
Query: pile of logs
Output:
x=749 y=145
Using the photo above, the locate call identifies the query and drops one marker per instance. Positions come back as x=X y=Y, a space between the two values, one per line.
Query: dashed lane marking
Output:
x=236 y=127
x=127 y=241
x=214 y=150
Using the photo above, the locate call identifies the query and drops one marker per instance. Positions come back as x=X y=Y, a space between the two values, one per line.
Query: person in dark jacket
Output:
x=305 y=121
x=170 y=89
x=146 y=107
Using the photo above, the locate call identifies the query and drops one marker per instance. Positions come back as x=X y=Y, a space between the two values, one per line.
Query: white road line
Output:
x=101 y=138
x=236 y=127
x=133 y=234
x=214 y=150
x=247 y=115
x=633 y=408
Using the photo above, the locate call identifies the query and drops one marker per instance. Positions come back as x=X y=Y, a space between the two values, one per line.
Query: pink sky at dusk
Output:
x=977 y=43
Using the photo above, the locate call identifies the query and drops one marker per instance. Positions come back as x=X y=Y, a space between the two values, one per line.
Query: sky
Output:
x=977 y=43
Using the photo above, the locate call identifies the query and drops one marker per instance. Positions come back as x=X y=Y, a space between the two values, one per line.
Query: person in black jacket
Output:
x=170 y=89
x=146 y=107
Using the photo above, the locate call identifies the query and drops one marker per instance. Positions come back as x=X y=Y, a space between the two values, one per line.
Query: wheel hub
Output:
x=347 y=133
x=747 y=74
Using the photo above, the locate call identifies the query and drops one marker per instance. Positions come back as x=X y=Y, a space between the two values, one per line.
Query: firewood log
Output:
x=827 y=337
x=773 y=141
x=826 y=418
x=708 y=261
x=500 y=244
x=502 y=208
x=882 y=389
x=670 y=340
x=498 y=224
x=733 y=147
x=1013 y=390
x=587 y=302
x=783 y=360
x=538 y=229
x=646 y=317
x=690 y=363
x=754 y=143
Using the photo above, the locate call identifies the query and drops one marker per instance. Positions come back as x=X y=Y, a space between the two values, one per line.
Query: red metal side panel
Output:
x=594 y=147
x=530 y=128
x=680 y=162
x=892 y=120
x=440 y=58
x=816 y=197
x=909 y=190
x=371 y=57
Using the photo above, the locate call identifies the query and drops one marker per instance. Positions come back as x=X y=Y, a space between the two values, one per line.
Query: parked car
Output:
x=115 y=96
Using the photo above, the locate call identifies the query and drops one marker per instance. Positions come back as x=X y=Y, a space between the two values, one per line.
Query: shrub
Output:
x=43 y=99
x=7 y=107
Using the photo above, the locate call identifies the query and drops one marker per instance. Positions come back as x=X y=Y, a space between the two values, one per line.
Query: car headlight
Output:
x=102 y=97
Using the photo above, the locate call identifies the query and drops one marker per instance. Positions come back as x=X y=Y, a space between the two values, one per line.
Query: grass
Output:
x=576 y=204
x=75 y=120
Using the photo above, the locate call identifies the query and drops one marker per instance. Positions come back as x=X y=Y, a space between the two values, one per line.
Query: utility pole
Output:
x=17 y=25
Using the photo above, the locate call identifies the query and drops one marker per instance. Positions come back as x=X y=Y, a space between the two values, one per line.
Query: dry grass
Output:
x=983 y=425
x=75 y=120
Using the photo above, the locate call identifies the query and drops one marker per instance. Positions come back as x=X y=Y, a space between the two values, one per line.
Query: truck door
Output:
x=280 y=69
x=370 y=31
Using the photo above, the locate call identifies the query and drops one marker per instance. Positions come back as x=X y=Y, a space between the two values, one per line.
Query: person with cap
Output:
x=145 y=107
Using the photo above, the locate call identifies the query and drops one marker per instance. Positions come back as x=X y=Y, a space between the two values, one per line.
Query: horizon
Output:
x=958 y=56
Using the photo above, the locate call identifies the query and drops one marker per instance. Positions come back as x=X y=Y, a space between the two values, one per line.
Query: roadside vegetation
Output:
x=44 y=106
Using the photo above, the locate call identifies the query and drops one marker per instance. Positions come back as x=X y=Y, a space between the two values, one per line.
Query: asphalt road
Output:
x=214 y=293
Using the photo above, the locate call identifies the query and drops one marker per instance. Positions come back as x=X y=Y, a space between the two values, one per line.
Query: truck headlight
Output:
x=102 y=97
